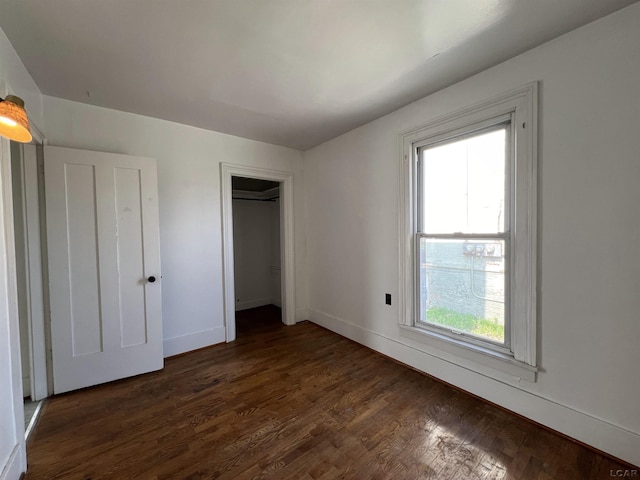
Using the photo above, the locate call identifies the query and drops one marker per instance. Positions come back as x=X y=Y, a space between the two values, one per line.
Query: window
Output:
x=462 y=236
x=469 y=185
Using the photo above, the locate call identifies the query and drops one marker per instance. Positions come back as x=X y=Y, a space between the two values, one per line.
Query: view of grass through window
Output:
x=488 y=328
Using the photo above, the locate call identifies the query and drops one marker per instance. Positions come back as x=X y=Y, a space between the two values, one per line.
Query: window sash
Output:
x=504 y=347
x=470 y=131
x=466 y=131
x=495 y=123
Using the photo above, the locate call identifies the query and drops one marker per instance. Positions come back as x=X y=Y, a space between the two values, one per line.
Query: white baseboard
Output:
x=13 y=469
x=586 y=428
x=259 y=302
x=193 y=341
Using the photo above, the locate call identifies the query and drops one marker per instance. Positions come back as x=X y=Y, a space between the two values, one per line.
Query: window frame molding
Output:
x=522 y=105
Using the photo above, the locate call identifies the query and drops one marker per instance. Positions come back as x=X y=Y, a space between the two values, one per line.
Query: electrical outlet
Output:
x=387 y=298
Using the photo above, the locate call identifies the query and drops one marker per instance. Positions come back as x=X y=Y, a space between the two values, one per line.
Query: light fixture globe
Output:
x=14 y=123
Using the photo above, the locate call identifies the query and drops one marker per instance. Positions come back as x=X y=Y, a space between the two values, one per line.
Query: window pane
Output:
x=462 y=286
x=463 y=185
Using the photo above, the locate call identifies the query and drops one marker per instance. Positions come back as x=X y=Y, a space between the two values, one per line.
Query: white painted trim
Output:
x=591 y=430
x=12 y=398
x=522 y=105
x=473 y=357
x=33 y=201
x=193 y=341
x=26 y=385
x=247 y=304
x=22 y=264
x=12 y=469
x=228 y=170
x=270 y=194
x=34 y=272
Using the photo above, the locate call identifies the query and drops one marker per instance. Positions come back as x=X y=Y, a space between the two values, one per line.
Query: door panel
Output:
x=102 y=227
x=130 y=257
x=82 y=251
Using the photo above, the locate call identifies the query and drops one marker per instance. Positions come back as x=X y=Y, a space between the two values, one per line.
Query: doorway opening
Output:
x=27 y=189
x=256 y=253
x=258 y=263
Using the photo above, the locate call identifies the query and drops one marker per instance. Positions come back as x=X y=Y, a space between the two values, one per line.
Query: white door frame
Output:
x=11 y=402
x=34 y=246
x=11 y=367
x=228 y=170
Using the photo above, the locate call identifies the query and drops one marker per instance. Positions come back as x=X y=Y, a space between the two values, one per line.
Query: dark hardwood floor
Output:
x=297 y=403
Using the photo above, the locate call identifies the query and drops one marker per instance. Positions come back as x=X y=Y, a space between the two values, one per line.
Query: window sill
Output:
x=472 y=357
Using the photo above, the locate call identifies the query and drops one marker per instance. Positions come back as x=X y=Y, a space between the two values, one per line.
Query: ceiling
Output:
x=288 y=72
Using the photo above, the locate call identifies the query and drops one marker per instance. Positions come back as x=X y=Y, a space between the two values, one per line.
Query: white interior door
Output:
x=104 y=266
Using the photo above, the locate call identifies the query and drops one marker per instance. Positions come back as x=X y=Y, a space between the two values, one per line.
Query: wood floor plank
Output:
x=295 y=402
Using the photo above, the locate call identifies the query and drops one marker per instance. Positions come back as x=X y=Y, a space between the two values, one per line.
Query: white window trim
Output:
x=522 y=104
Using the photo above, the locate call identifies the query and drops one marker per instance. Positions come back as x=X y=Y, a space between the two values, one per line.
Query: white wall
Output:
x=190 y=213
x=254 y=222
x=19 y=82
x=589 y=270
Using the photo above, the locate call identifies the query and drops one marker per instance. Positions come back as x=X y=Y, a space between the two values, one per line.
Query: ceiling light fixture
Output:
x=14 y=123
